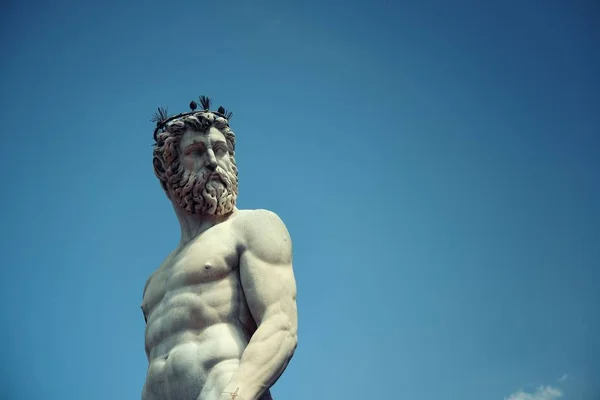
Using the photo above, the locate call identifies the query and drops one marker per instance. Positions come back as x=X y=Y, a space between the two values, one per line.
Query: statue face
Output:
x=208 y=183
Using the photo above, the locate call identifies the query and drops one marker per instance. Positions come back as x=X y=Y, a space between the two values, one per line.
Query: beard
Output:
x=209 y=192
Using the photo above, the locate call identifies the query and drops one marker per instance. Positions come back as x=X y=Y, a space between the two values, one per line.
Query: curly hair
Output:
x=167 y=167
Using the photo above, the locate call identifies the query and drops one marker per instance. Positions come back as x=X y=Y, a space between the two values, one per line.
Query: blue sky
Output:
x=437 y=165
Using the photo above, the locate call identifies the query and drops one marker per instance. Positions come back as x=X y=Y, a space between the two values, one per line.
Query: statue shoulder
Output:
x=263 y=231
x=259 y=220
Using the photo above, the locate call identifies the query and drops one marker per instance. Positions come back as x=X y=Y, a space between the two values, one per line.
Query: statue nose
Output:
x=212 y=164
x=212 y=160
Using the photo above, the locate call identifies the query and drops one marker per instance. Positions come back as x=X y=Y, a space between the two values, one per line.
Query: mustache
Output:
x=204 y=181
x=206 y=191
x=219 y=173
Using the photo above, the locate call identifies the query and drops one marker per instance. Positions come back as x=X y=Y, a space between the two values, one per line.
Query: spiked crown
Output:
x=161 y=116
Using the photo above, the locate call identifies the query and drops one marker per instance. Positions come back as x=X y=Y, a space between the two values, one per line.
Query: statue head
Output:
x=194 y=160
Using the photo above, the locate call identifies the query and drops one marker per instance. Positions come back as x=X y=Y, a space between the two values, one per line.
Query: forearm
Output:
x=264 y=359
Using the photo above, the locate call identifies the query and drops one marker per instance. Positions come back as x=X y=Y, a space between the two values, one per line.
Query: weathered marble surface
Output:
x=221 y=308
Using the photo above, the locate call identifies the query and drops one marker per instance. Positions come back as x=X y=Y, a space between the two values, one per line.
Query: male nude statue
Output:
x=220 y=311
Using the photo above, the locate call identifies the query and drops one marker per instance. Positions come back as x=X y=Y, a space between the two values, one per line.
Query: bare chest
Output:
x=200 y=266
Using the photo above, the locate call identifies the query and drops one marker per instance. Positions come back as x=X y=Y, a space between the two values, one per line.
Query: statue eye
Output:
x=194 y=152
x=220 y=149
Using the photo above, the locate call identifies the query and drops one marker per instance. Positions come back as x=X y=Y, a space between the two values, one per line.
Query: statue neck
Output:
x=192 y=225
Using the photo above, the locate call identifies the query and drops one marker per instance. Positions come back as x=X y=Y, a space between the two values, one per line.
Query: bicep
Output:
x=269 y=289
x=266 y=273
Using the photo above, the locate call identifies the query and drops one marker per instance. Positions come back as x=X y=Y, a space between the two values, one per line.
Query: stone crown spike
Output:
x=161 y=117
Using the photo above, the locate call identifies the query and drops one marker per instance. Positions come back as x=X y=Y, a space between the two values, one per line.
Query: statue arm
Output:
x=269 y=286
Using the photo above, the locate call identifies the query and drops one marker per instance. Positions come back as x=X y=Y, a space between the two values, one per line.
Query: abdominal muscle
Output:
x=197 y=365
x=194 y=342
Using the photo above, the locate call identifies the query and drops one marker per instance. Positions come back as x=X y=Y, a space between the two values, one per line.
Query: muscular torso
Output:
x=198 y=322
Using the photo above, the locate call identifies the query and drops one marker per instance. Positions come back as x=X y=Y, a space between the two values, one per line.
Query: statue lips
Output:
x=215 y=177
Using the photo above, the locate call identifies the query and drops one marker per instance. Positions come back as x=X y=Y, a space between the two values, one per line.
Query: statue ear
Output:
x=159 y=168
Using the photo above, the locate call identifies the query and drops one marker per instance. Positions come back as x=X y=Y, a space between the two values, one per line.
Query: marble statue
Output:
x=220 y=311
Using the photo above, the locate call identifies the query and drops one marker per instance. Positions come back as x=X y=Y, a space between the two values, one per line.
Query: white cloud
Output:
x=541 y=393
x=563 y=378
